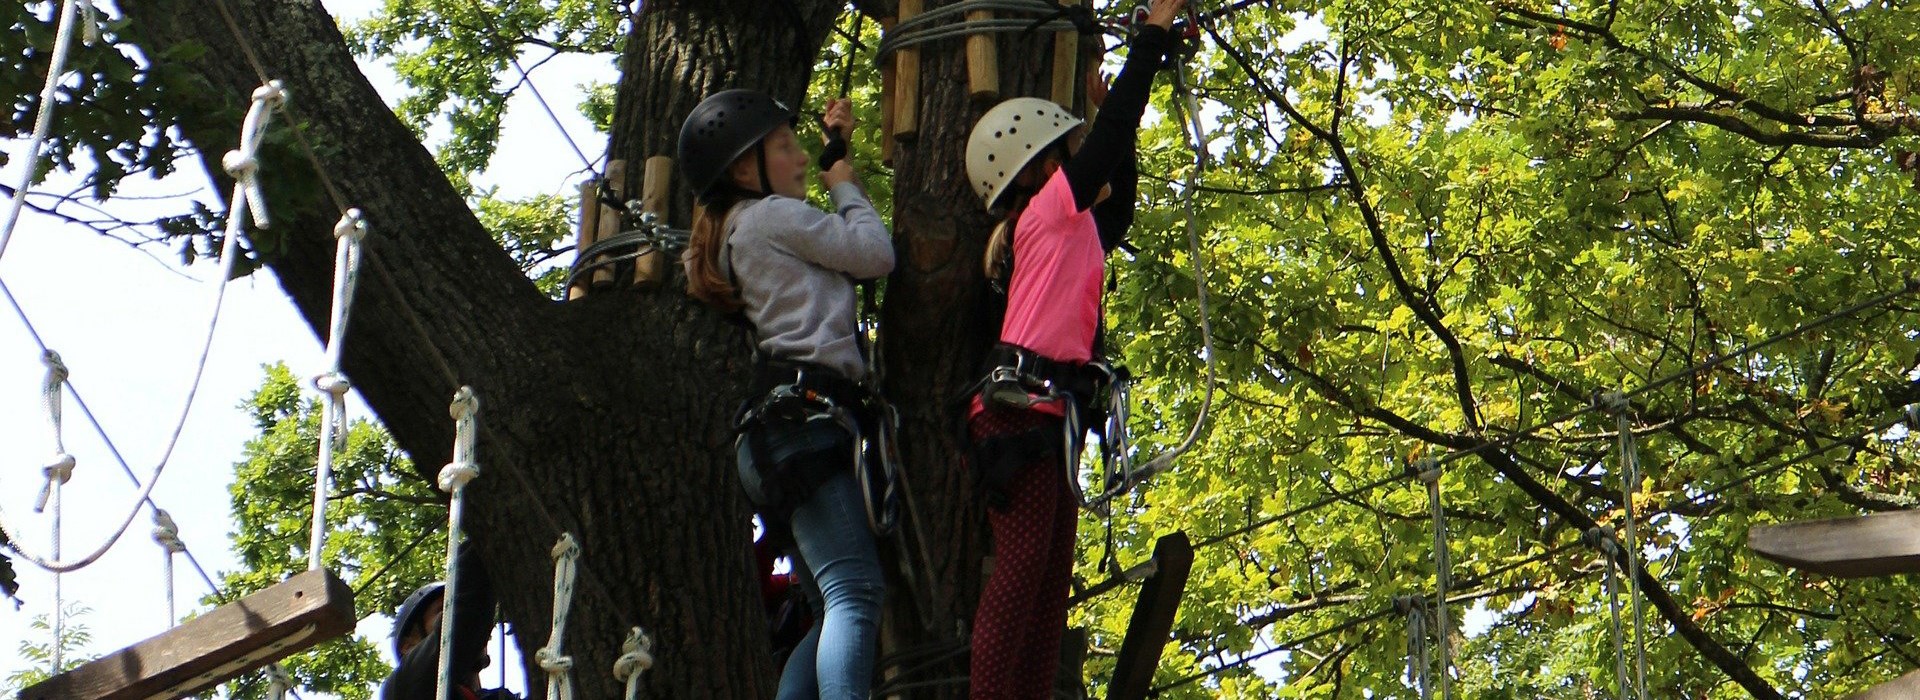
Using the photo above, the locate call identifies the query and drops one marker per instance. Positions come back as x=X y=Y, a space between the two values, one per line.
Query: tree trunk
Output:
x=606 y=418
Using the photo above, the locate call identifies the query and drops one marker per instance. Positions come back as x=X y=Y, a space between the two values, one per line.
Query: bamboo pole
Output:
x=656 y=181
x=1066 y=64
x=906 y=83
x=589 y=229
x=609 y=219
x=983 y=65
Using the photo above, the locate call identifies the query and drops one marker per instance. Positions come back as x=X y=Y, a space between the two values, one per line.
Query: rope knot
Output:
x=464 y=404
x=566 y=547
x=56 y=367
x=1612 y=401
x=553 y=661
x=333 y=384
x=638 y=656
x=352 y=225
x=1601 y=538
x=456 y=475
x=166 y=533
x=1427 y=469
x=61 y=471
x=241 y=166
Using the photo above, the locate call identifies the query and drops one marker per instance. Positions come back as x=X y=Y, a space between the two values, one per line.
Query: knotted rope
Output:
x=453 y=479
x=60 y=469
x=1418 y=665
x=1616 y=402
x=1601 y=538
x=348 y=234
x=559 y=667
x=167 y=535
x=636 y=659
x=256 y=124
x=278 y=682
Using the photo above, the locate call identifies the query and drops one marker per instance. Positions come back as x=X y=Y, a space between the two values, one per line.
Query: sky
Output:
x=129 y=326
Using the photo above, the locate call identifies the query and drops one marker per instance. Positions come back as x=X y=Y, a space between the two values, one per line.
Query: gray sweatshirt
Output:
x=795 y=266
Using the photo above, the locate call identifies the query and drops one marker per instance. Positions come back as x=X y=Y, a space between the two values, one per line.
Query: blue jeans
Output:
x=839 y=567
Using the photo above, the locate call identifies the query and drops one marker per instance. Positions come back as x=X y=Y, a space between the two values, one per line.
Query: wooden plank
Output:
x=906 y=82
x=1152 y=622
x=983 y=62
x=233 y=639
x=1905 y=687
x=656 y=190
x=1882 y=544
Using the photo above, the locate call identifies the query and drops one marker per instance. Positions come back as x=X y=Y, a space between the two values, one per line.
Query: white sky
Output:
x=130 y=327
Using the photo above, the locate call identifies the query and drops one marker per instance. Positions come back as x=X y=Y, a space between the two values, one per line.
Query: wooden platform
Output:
x=1882 y=544
x=233 y=639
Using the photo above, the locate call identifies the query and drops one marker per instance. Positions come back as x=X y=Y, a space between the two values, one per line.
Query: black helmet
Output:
x=723 y=127
x=411 y=610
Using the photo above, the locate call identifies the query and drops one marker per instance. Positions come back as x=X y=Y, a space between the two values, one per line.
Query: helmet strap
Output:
x=760 y=153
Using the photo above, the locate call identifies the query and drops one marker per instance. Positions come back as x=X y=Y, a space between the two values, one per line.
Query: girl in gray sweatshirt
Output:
x=759 y=250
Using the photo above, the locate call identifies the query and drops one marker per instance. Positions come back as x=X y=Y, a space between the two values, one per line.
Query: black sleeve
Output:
x=1111 y=138
x=418 y=675
x=1115 y=215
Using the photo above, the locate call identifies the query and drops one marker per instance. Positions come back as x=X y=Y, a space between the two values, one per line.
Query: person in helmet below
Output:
x=1063 y=214
x=760 y=250
x=416 y=637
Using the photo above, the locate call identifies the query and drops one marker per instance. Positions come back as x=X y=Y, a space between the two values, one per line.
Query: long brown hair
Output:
x=705 y=280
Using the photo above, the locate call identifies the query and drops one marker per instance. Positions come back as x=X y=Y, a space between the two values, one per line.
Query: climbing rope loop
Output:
x=559 y=667
x=72 y=14
x=349 y=234
x=635 y=658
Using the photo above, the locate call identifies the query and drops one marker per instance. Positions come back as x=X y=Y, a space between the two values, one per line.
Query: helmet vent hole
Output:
x=1013 y=130
x=1016 y=117
x=989 y=157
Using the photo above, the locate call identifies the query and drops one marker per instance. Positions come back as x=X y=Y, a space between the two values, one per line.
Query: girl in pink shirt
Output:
x=1064 y=213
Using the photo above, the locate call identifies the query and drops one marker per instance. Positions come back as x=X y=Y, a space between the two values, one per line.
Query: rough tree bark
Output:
x=606 y=417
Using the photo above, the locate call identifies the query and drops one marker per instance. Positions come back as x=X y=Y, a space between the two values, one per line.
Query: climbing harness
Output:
x=1616 y=403
x=559 y=667
x=348 y=234
x=1429 y=472
x=72 y=13
x=453 y=479
x=635 y=658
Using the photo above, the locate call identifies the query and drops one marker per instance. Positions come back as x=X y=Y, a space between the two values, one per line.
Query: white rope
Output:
x=559 y=667
x=43 y=118
x=453 y=479
x=278 y=682
x=636 y=658
x=167 y=535
x=348 y=234
x=264 y=100
x=1630 y=486
x=1418 y=665
x=1602 y=538
x=60 y=469
x=1442 y=571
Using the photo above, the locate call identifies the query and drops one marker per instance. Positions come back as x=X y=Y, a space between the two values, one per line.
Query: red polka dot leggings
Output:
x=1023 y=610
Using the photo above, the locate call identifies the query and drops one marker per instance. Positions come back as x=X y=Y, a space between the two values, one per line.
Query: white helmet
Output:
x=1009 y=136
